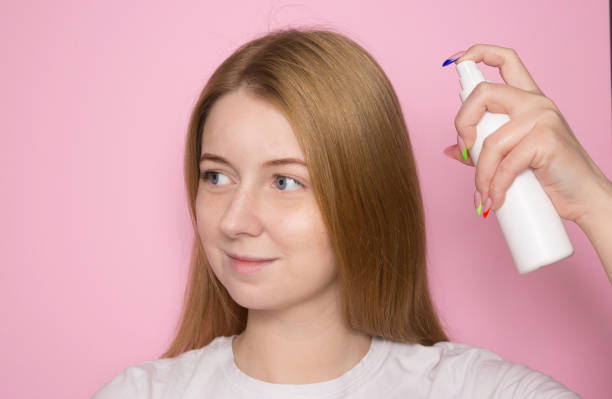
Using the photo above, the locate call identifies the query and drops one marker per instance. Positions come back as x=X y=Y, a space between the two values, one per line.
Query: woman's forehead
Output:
x=238 y=121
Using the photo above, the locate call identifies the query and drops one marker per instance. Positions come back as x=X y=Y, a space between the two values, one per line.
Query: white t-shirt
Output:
x=388 y=370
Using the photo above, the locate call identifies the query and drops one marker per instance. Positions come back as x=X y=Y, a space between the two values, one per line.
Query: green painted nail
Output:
x=479 y=209
x=464 y=154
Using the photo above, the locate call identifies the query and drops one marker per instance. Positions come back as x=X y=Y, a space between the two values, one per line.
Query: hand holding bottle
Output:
x=536 y=136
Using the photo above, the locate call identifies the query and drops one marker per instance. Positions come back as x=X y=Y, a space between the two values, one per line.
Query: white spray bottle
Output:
x=528 y=219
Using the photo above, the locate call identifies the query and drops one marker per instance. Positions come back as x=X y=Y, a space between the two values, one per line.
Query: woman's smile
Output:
x=247 y=267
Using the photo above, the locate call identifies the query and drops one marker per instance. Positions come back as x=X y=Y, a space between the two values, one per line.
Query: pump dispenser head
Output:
x=469 y=77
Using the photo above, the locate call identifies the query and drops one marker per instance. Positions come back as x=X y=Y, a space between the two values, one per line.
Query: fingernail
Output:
x=453 y=58
x=477 y=202
x=487 y=207
x=462 y=148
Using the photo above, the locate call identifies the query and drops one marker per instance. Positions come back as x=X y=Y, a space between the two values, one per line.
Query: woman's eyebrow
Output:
x=273 y=162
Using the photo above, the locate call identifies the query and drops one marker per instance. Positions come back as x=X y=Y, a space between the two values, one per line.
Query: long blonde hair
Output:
x=350 y=127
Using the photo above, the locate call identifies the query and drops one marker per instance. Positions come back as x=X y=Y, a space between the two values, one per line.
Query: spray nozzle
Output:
x=469 y=77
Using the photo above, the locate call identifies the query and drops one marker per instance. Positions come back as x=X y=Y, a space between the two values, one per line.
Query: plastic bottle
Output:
x=529 y=221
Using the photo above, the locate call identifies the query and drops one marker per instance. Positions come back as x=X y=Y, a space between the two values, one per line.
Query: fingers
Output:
x=512 y=69
x=515 y=163
x=516 y=145
x=496 y=98
x=513 y=146
x=504 y=155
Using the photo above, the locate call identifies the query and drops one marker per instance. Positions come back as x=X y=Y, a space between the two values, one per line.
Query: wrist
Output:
x=600 y=210
x=597 y=224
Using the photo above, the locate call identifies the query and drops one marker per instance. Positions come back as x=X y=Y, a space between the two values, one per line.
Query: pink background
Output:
x=95 y=246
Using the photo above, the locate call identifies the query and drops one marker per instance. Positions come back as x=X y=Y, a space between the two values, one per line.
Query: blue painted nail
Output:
x=450 y=61
x=454 y=58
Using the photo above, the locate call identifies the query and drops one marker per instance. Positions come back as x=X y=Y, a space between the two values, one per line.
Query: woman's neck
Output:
x=302 y=346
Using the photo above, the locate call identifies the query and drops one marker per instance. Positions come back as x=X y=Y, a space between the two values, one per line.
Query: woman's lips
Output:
x=248 y=267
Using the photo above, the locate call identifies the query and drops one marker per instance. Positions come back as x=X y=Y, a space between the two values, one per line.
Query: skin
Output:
x=536 y=136
x=294 y=332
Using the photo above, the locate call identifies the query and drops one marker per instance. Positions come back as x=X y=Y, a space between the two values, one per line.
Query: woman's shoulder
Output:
x=152 y=377
x=443 y=354
x=473 y=371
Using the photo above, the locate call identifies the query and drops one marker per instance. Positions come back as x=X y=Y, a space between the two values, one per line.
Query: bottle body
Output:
x=528 y=219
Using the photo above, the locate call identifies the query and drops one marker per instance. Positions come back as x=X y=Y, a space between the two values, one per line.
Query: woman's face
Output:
x=248 y=209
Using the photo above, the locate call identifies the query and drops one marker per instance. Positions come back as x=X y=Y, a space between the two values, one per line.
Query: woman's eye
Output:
x=284 y=180
x=204 y=175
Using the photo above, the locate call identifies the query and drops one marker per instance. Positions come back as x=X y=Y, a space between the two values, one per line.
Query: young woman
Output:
x=308 y=274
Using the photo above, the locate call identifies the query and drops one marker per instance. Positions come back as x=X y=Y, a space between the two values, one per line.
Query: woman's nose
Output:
x=241 y=214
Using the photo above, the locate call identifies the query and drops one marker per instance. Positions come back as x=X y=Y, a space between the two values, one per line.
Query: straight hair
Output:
x=349 y=124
